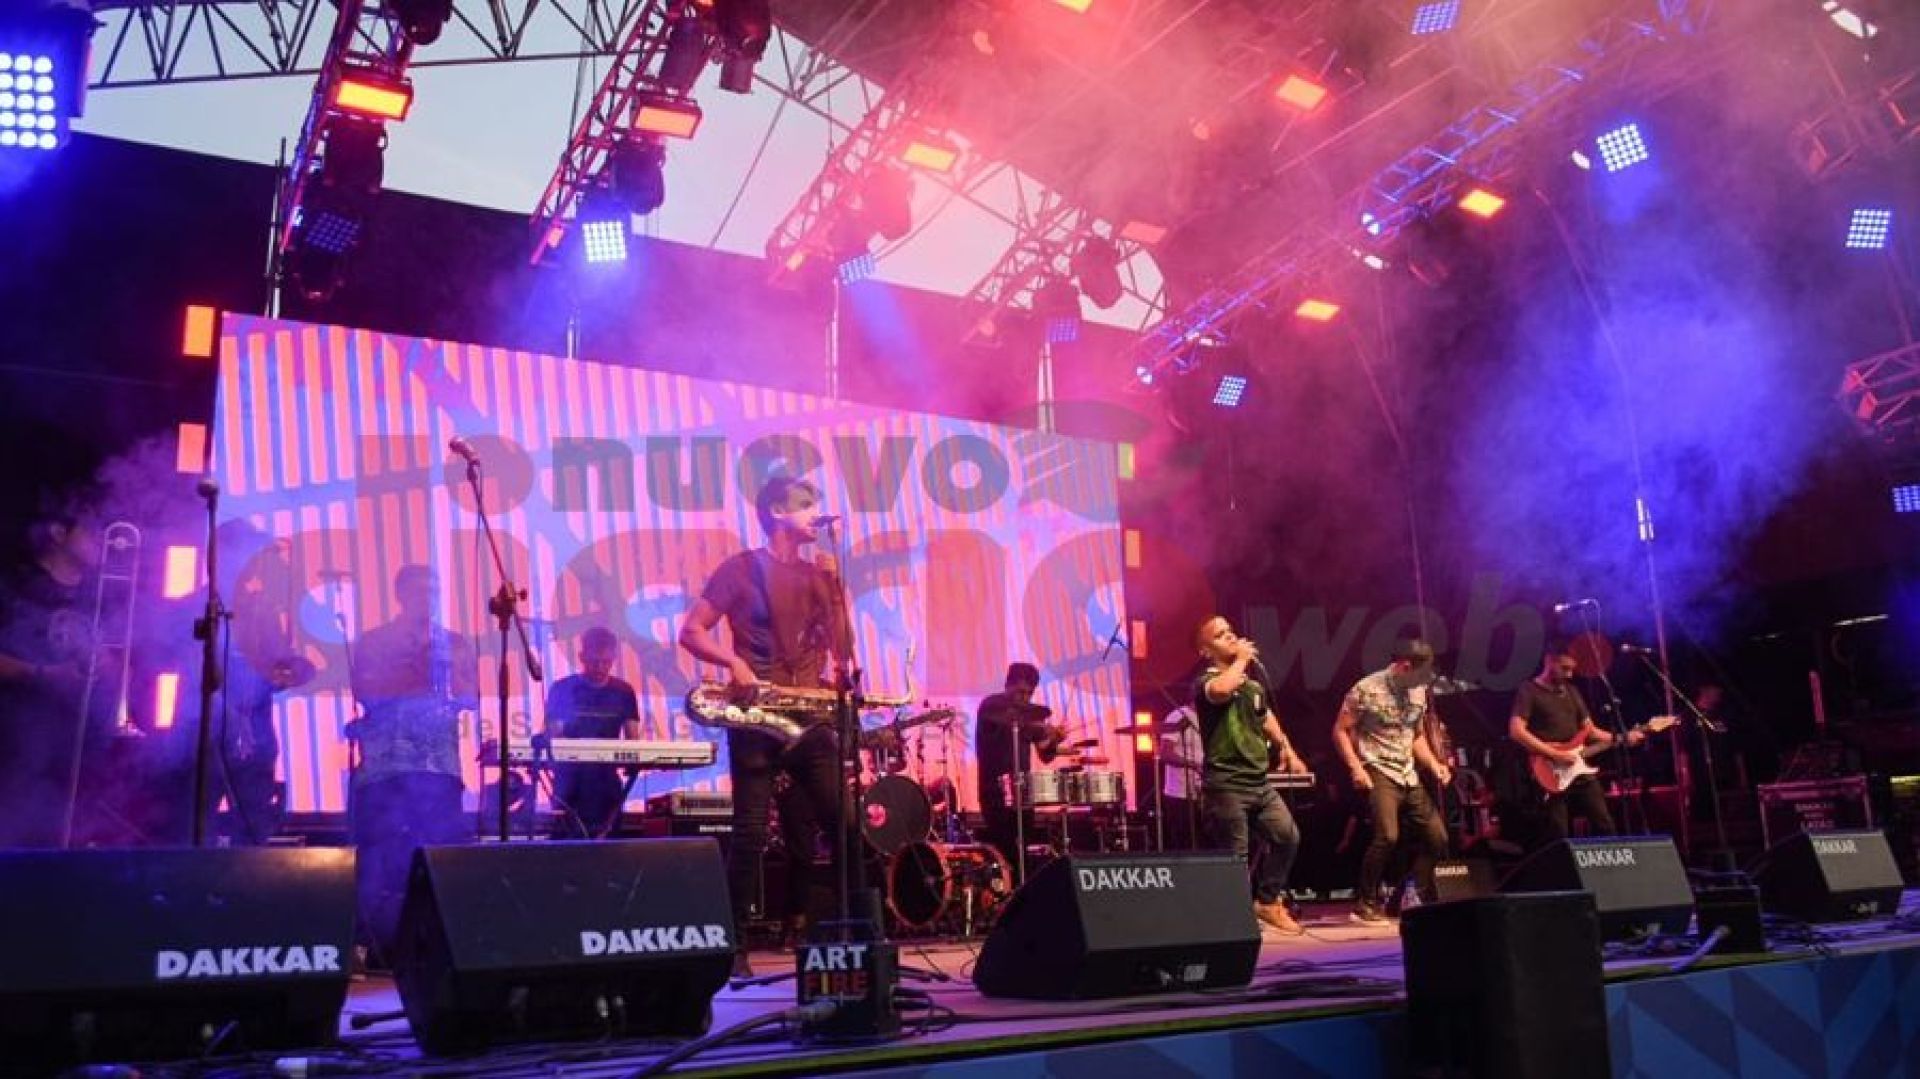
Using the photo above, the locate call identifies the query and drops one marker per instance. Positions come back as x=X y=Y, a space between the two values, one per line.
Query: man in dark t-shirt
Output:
x=1009 y=724
x=591 y=704
x=1551 y=721
x=786 y=619
x=1236 y=727
x=44 y=648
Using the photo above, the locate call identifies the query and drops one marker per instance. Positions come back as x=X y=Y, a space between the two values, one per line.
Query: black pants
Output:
x=1585 y=797
x=587 y=800
x=1237 y=819
x=1425 y=832
x=812 y=805
x=393 y=816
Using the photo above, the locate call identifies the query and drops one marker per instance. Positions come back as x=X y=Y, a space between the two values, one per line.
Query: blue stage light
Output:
x=1436 y=18
x=605 y=241
x=1906 y=498
x=1230 y=390
x=1869 y=229
x=1623 y=148
x=856 y=267
x=331 y=232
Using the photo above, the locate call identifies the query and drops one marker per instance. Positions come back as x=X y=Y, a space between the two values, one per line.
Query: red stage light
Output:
x=1302 y=94
x=1130 y=542
x=929 y=154
x=666 y=116
x=190 y=453
x=1482 y=203
x=1317 y=310
x=363 y=94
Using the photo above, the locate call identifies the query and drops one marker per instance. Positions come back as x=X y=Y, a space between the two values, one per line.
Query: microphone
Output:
x=1111 y=641
x=828 y=519
x=1574 y=605
x=209 y=489
x=1443 y=684
x=463 y=449
x=1627 y=649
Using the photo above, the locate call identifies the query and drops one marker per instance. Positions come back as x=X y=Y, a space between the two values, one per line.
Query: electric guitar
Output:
x=1555 y=777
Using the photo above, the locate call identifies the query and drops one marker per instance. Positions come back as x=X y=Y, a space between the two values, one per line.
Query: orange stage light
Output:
x=1303 y=94
x=936 y=156
x=1126 y=460
x=1078 y=7
x=182 y=568
x=666 y=116
x=369 y=96
x=190 y=456
x=1317 y=310
x=1137 y=637
x=166 y=700
x=198 y=338
x=1131 y=541
x=1143 y=744
x=1482 y=203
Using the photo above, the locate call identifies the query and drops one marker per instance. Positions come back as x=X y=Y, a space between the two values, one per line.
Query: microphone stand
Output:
x=206 y=630
x=505 y=608
x=1632 y=795
x=1720 y=859
x=847 y=698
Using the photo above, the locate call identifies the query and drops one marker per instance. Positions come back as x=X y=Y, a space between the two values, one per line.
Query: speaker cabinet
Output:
x=562 y=940
x=141 y=954
x=1464 y=878
x=1113 y=925
x=1506 y=987
x=1638 y=882
x=1830 y=877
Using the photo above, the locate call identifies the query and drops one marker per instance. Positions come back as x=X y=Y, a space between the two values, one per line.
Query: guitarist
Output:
x=786 y=621
x=1551 y=720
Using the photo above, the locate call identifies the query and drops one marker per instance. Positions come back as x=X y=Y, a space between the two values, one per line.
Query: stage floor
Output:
x=1338 y=968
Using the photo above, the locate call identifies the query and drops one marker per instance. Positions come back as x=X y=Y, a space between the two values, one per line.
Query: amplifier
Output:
x=1638 y=883
x=1813 y=805
x=691 y=804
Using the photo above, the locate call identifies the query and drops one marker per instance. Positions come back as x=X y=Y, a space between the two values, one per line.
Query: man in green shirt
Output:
x=1235 y=729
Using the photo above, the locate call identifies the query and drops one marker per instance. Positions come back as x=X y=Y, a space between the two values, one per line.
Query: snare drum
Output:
x=1035 y=789
x=931 y=883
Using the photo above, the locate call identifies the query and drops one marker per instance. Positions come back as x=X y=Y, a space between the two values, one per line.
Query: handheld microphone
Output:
x=828 y=519
x=1574 y=605
x=463 y=449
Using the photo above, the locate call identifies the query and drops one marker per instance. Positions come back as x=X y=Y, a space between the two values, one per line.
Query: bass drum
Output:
x=897 y=813
x=960 y=886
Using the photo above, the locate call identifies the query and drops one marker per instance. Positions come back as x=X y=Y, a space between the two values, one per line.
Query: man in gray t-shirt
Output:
x=1380 y=737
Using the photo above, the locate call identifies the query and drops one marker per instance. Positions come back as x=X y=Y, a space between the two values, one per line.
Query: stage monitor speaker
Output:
x=1464 y=878
x=113 y=955
x=1830 y=876
x=1506 y=987
x=562 y=940
x=1111 y=925
x=1638 y=883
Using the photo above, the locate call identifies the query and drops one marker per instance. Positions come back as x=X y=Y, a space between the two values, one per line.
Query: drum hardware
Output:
x=938 y=885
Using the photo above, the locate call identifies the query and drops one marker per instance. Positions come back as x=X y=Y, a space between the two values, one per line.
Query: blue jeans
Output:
x=1236 y=817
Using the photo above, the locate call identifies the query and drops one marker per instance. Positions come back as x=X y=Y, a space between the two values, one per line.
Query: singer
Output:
x=784 y=615
x=1235 y=728
x=1381 y=735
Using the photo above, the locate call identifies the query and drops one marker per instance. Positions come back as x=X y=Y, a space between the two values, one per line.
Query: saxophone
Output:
x=784 y=712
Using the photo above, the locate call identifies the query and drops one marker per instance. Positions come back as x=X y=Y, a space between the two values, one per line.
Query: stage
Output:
x=1839 y=1000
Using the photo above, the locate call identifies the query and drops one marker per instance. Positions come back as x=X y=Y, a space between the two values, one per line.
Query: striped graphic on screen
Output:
x=616 y=491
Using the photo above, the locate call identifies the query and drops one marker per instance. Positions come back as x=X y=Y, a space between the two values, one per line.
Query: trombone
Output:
x=110 y=648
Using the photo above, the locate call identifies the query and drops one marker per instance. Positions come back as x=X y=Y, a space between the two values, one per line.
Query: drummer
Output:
x=1009 y=724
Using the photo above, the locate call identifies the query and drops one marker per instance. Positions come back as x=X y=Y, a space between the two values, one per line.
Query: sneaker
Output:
x=1369 y=913
x=1275 y=914
x=742 y=967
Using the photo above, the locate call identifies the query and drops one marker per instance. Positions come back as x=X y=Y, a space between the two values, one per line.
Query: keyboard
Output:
x=1290 y=781
x=628 y=751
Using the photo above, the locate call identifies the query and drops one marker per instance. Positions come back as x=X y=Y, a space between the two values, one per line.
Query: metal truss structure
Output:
x=1883 y=393
x=1426 y=178
x=367 y=36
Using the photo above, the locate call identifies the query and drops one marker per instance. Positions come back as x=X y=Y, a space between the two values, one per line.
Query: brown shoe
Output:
x=1275 y=914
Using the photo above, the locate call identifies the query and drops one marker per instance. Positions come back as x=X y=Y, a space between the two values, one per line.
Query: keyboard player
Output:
x=591 y=704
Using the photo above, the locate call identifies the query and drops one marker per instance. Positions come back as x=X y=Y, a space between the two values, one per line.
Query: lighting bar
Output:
x=1078 y=7
x=673 y=118
x=1303 y=94
x=1482 y=203
x=29 y=113
x=1435 y=18
x=930 y=155
x=605 y=241
x=372 y=97
x=1142 y=232
x=1869 y=229
x=1906 y=498
x=1317 y=310
x=856 y=268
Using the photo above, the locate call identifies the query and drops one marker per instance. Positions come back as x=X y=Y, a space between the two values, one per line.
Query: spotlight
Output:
x=605 y=223
x=43 y=64
x=1622 y=148
x=856 y=267
x=932 y=153
x=658 y=114
x=422 y=19
x=685 y=55
x=1436 y=18
x=1143 y=232
x=1869 y=229
x=1058 y=303
x=1906 y=498
x=1482 y=203
x=637 y=175
x=1230 y=390
x=1096 y=266
x=745 y=27
x=1581 y=161
x=1317 y=310
x=1303 y=94
x=1850 y=21
x=1372 y=224
x=1078 y=7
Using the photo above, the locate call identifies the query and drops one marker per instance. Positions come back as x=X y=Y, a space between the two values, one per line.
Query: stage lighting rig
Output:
x=744 y=28
x=636 y=174
x=605 y=225
x=422 y=19
x=338 y=198
x=1096 y=266
x=43 y=72
x=1058 y=303
x=687 y=51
